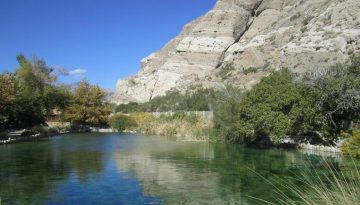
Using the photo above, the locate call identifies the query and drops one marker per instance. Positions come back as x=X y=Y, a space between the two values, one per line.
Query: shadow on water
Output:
x=134 y=169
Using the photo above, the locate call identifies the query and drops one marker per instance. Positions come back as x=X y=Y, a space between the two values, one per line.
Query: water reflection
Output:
x=72 y=169
x=198 y=173
x=134 y=169
x=159 y=167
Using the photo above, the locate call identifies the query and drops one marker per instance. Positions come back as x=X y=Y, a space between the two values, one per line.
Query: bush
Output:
x=144 y=122
x=121 y=122
x=275 y=109
x=325 y=103
x=226 y=113
x=250 y=70
x=61 y=128
x=338 y=95
x=226 y=71
x=179 y=115
x=352 y=145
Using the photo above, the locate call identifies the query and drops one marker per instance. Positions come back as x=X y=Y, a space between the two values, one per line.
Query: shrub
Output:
x=226 y=113
x=198 y=100
x=307 y=20
x=144 y=122
x=121 y=122
x=179 y=115
x=274 y=108
x=61 y=128
x=128 y=108
x=352 y=145
x=192 y=118
x=303 y=29
x=225 y=71
x=250 y=70
x=338 y=95
x=321 y=106
x=142 y=117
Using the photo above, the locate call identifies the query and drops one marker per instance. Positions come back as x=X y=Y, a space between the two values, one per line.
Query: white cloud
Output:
x=78 y=72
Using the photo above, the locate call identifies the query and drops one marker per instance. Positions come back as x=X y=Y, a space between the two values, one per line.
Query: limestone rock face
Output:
x=263 y=35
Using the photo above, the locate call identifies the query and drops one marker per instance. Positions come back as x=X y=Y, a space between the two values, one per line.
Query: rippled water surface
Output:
x=134 y=169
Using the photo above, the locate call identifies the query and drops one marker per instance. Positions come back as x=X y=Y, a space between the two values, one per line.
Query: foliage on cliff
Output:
x=199 y=100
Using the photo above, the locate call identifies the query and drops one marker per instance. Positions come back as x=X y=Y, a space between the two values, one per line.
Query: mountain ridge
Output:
x=240 y=41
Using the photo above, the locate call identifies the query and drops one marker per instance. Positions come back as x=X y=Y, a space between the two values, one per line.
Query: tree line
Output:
x=31 y=92
x=321 y=107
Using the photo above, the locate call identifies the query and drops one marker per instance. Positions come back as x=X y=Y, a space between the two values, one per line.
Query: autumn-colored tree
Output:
x=88 y=106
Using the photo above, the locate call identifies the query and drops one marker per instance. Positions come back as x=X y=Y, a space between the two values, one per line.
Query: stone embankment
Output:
x=101 y=130
x=21 y=136
x=320 y=148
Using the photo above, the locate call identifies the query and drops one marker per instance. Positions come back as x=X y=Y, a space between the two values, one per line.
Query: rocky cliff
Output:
x=240 y=41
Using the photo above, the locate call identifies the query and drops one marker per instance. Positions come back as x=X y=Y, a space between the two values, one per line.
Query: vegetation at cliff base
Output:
x=121 y=122
x=316 y=108
x=188 y=126
x=275 y=108
x=199 y=100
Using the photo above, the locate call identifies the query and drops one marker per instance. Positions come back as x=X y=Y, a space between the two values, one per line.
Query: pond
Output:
x=134 y=169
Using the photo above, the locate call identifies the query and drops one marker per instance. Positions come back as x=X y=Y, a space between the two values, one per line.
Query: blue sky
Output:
x=100 y=40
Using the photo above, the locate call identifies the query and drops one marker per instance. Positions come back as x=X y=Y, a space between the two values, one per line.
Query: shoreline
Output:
x=30 y=138
x=306 y=148
x=39 y=136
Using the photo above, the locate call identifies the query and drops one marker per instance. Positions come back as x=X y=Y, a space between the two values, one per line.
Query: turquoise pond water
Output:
x=134 y=169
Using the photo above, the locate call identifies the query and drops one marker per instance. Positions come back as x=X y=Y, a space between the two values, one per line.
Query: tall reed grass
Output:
x=314 y=186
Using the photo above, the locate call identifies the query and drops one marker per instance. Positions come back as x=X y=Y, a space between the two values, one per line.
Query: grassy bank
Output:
x=180 y=125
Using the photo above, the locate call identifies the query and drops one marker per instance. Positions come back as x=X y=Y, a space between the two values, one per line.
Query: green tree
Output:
x=28 y=94
x=33 y=75
x=55 y=96
x=9 y=92
x=275 y=108
x=338 y=90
